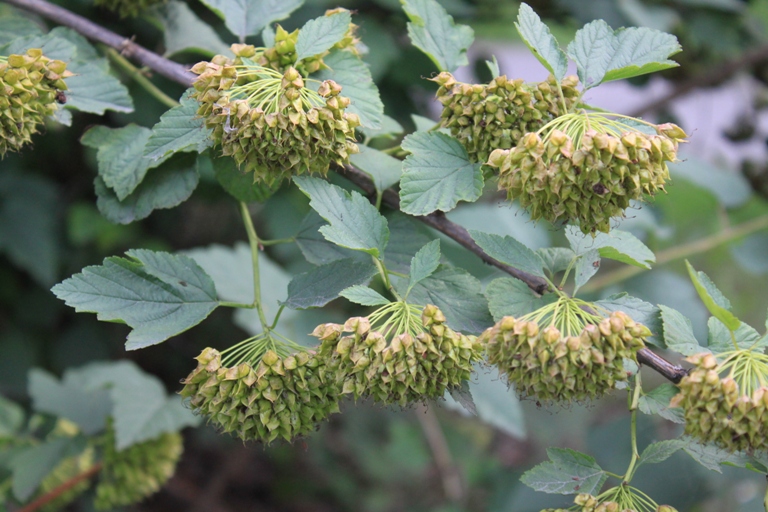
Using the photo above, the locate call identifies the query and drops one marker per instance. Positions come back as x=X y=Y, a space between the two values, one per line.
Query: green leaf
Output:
x=71 y=398
x=13 y=27
x=434 y=32
x=592 y=48
x=508 y=250
x=493 y=67
x=424 y=263
x=556 y=259
x=184 y=31
x=157 y=294
x=660 y=451
x=639 y=310
x=657 y=402
x=320 y=34
x=247 y=17
x=458 y=295
x=32 y=465
x=268 y=36
x=719 y=337
x=53 y=47
x=617 y=245
x=92 y=89
x=364 y=296
x=354 y=222
x=164 y=187
x=566 y=472
x=639 y=51
x=142 y=409
x=122 y=164
x=678 y=333
x=322 y=284
x=713 y=291
x=384 y=170
x=389 y=129
x=586 y=266
x=315 y=248
x=437 y=174
x=11 y=414
x=712 y=457
x=425 y=124
x=238 y=184
x=541 y=42
x=508 y=296
x=730 y=188
x=179 y=129
x=354 y=77
x=29 y=226
x=718 y=311
x=411 y=236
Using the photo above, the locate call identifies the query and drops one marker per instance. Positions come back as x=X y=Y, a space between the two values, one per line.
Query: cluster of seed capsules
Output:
x=496 y=115
x=589 y=503
x=128 y=8
x=274 y=142
x=282 y=397
x=404 y=369
x=717 y=412
x=588 y=181
x=128 y=476
x=543 y=364
x=31 y=86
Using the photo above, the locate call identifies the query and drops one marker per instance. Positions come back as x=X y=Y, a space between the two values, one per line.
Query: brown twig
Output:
x=437 y=220
x=61 y=489
x=453 y=486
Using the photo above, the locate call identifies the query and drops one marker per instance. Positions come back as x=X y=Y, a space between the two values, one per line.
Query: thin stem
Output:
x=680 y=252
x=453 y=487
x=61 y=489
x=239 y=305
x=633 y=406
x=253 y=240
x=138 y=76
x=267 y=243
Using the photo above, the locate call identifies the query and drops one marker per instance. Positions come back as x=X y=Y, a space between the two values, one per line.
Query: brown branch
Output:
x=436 y=220
x=715 y=75
x=61 y=489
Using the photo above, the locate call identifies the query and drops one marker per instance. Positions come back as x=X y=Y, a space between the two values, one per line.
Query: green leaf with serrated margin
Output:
x=712 y=457
x=541 y=42
x=411 y=236
x=142 y=410
x=354 y=77
x=617 y=245
x=660 y=451
x=657 y=400
x=239 y=184
x=719 y=337
x=322 y=284
x=717 y=311
x=437 y=174
x=354 y=222
x=424 y=263
x=364 y=296
x=247 y=17
x=639 y=310
x=320 y=34
x=587 y=266
x=179 y=129
x=678 y=333
x=32 y=465
x=384 y=170
x=92 y=89
x=433 y=31
x=508 y=250
x=71 y=398
x=713 y=291
x=556 y=259
x=592 y=48
x=164 y=187
x=158 y=294
x=566 y=472
x=13 y=27
x=508 y=296
x=184 y=31
x=458 y=295
x=493 y=67
x=389 y=129
x=639 y=51
x=315 y=248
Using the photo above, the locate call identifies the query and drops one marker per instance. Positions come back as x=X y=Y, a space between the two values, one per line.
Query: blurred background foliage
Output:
x=373 y=459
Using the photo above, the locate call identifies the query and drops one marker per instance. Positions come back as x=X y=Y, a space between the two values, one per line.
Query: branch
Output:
x=453 y=486
x=436 y=220
x=61 y=489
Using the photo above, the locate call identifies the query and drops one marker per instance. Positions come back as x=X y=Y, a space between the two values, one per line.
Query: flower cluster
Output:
x=271 y=123
x=496 y=115
x=30 y=85
x=589 y=503
x=402 y=368
x=544 y=364
x=281 y=397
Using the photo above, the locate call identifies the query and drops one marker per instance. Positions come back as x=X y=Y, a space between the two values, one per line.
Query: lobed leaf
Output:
x=678 y=333
x=639 y=310
x=238 y=184
x=592 y=49
x=179 y=129
x=556 y=259
x=157 y=294
x=248 y=17
x=586 y=266
x=320 y=34
x=424 y=263
x=657 y=401
x=31 y=465
x=641 y=50
x=660 y=451
x=566 y=472
x=433 y=31
x=364 y=228
x=184 y=31
x=721 y=339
